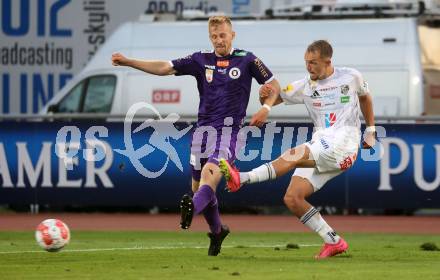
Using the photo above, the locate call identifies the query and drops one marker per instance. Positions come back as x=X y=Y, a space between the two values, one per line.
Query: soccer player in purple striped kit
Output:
x=224 y=77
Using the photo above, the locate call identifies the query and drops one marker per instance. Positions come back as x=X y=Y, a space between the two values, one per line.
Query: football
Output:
x=52 y=235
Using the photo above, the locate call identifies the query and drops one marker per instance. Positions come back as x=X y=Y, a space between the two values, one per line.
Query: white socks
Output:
x=313 y=220
x=262 y=173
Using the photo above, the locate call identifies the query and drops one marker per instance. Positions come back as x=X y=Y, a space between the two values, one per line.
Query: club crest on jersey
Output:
x=209 y=74
x=234 y=73
x=345 y=89
x=330 y=119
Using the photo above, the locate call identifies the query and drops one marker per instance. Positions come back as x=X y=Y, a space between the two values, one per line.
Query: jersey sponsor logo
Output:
x=345 y=89
x=315 y=94
x=324 y=144
x=210 y=66
x=329 y=104
x=330 y=119
x=209 y=74
x=327 y=89
x=234 y=73
x=261 y=67
x=223 y=63
x=316 y=104
x=242 y=53
x=345 y=99
x=222 y=71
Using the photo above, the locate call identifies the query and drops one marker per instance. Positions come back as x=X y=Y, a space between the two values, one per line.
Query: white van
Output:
x=386 y=51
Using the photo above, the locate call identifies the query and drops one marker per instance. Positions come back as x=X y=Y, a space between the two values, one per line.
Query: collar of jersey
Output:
x=230 y=53
x=328 y=78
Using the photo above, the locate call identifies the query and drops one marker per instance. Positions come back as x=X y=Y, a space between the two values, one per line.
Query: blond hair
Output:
x=217 y=20
x=323 y=47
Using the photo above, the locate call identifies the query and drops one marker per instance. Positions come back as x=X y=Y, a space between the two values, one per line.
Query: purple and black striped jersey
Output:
x=224 y=83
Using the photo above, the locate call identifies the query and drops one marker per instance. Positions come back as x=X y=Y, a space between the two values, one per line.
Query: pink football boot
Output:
x=231 y=174
x=330 y=250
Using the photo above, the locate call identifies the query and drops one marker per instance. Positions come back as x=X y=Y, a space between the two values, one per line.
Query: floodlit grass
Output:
x=183 y=255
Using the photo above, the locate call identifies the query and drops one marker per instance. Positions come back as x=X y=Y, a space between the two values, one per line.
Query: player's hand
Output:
x=259 y=118
x=266 y=90
x=119 y=59
x=369 y=140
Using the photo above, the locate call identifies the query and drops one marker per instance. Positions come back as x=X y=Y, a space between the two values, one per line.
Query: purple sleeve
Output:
x=185 y=65
x=258 y=70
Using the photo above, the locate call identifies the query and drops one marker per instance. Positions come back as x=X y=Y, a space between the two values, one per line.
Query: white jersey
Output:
x=332 y=103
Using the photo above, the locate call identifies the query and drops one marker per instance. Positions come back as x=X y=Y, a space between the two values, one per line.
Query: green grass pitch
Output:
x=183 y=255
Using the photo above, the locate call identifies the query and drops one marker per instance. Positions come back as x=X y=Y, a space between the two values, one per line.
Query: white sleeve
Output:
x=361 y=86
x=293 y=93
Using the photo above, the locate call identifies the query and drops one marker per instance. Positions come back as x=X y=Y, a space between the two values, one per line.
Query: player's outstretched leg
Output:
x=236 y=179
x=215 y=245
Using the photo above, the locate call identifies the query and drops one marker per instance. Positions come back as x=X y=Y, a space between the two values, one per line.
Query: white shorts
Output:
x=331 y=160
x=316 y=178
x=330 y=155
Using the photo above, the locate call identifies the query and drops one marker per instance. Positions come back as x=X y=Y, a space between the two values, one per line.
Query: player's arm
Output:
x=264 y=76
x=366 y=105
x=155 y=67
x=259 y=118
x=270 y=93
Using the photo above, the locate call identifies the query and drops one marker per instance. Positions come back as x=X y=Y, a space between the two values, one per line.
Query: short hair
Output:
x=323 y=47
x=217 y=20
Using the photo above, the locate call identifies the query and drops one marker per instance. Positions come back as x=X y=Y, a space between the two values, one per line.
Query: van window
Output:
x=99 y=95
x=71 y=103
x=91 y=95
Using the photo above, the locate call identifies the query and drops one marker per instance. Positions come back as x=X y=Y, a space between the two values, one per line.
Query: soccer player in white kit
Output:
x=332 y=96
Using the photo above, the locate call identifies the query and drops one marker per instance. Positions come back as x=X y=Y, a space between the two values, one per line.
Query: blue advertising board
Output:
x=50 y=163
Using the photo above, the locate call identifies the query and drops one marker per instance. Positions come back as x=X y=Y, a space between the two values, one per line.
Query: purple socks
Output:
x=212 y=216
x=202 y=198
x=205 y=201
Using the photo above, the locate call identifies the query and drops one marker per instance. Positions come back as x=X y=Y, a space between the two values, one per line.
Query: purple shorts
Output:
x=210 y=145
